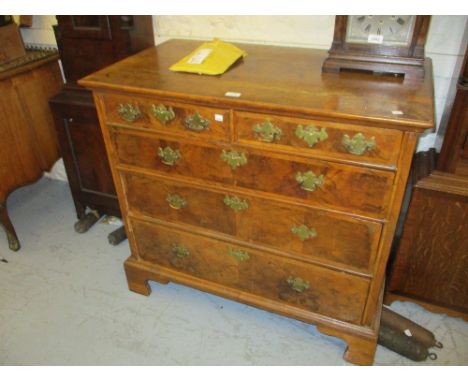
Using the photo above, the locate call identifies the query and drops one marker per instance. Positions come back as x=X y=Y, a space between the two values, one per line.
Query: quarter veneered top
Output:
x=276 y=79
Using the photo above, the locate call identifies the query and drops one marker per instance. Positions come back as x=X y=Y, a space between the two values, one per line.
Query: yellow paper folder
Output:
x=210 y=58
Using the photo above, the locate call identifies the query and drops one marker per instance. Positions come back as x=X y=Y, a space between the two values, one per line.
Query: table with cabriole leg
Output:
x=28 y=144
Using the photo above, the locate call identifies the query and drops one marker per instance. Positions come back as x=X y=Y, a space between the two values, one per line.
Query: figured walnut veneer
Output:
x=250 y=206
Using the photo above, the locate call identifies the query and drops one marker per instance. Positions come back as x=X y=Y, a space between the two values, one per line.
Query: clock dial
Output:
x=384 y=30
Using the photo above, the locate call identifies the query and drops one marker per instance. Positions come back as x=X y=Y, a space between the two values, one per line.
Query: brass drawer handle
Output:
x=169 y=156
x=234 y=159
x=196 y=123
x=236 y=203
x=163 y=113
x=311 y=134
x=180 y=251
x=358 y=144
x=238 y=254
x=267 y=132
x=298 y=284
x=309 y=181
x=129 y=112
x=176 y=201
x=303 y=232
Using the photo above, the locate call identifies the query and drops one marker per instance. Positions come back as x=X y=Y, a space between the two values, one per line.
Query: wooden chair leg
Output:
x=12 y=238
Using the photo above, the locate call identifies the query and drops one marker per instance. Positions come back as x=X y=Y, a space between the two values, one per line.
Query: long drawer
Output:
x=328 y=237
x=317 y=289
x=349 y=188
x=175 y=118
x=318 y=138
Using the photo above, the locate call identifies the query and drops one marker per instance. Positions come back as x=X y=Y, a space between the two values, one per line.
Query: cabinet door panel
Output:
x=85 y=26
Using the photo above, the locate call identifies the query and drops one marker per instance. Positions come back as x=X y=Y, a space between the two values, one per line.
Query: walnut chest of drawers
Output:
x=285 y=197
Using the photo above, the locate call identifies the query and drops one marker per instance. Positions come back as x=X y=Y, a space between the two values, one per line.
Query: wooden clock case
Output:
x=406 y=60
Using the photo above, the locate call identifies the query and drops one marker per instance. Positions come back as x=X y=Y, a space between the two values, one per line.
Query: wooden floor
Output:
x=64 y=301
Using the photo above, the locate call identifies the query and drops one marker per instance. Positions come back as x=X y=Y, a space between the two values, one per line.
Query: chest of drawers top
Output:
x=278 y=80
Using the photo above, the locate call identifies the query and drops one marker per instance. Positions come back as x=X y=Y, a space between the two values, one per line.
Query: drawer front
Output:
x=309 y=287
x=170 y=156
x=176 y=202
x=195 y=255
x=348 y=188
x=324 y=184
x=305 y=231
x=167 y=117
x=323 y=139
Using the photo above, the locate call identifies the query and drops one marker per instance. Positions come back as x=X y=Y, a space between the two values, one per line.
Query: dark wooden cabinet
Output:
x=430 y=264
x=85 y=160
x=86 y=44
x=454 y=152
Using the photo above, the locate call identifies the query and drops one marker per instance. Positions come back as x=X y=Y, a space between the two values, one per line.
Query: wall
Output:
x=41 y=32
x=445 y=45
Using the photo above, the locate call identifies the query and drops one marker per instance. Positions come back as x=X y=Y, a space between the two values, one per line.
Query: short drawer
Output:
x=322 y=139
x=324 y=236
x=324 y=184
x=167 y=117
x=313 y=288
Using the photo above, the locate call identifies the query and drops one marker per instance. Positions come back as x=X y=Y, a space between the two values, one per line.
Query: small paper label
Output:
x=397 y=112
x=375 y=38
x=408 y=333
x=199 y=56
x=219 y=117
x=232 y=94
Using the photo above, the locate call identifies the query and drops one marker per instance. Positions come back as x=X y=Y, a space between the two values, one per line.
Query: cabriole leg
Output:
x=13 y=241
